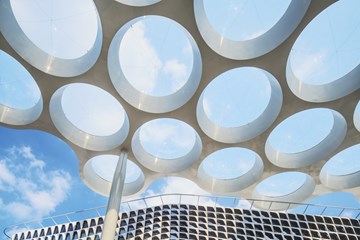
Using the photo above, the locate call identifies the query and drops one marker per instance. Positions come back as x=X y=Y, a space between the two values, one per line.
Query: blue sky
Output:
x=39 y=172
x=39 y=177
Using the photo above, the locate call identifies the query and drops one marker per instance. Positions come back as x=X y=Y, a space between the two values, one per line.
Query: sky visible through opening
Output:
x=39 y=172
x=40 y=178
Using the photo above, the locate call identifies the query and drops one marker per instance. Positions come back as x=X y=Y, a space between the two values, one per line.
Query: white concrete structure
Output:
x=71 y=60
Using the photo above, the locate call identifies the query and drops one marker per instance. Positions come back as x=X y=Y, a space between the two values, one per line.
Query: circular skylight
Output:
x=323 y=64
x=166 y=54
x=59 y=37
x=166 y=145
x=343 y=169
x=99 y=172
x=239 y=104
x=230 y=169
x=20 y=97
x=91 y=111
x=357 y=116
x=154 y=64
x=240 y=29
x=286 y=186
x=305 y=138
x=138 y=3
x=231 y=18
x=89 y=116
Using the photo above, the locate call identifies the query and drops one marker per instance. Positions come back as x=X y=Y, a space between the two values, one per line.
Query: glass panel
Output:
x=167 y=138
x=328 y=48
x=239 y=104
x=62 y=28
x=242 y=20
x=105 y=165
x=18 y=88
x=302 y=130
x=346 y=162
x=281 y=184
x=156 y=56
x=229 y=163
x=92 y=109
x=237 y=97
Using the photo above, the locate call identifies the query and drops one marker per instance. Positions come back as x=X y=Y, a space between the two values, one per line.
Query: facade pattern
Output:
x=184 y=221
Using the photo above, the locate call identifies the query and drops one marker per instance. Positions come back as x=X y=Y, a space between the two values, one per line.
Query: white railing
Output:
x=191 y=199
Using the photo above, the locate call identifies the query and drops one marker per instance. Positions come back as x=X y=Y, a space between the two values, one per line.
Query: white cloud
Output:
x=178 y=72
x=26 y=152
x=349 y=214
x=172 y=186
x=167 y=190
x=181 y=185
x=40 y=200
x=19 y=210
x=147 y=67
x=177 y=185
x=157 y=132
x=187 y=50
x=60 y=184
x=54 y=191
x=309 y=66
x=139 y=59
x=37 y=191
x=243 y=203
x=6 y=176
x=167 y=138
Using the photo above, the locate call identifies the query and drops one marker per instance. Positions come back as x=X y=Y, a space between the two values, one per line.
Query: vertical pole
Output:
x=114 y=202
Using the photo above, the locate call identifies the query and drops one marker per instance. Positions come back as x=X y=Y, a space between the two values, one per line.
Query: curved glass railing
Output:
x=191 y=199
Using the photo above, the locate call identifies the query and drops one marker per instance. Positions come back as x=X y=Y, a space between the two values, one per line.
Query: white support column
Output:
x=115 y=195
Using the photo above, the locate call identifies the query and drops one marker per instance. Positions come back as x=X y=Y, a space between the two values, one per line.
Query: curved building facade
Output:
x=210 y=221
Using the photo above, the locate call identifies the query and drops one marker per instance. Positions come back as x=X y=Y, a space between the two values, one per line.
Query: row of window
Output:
x=178 y=221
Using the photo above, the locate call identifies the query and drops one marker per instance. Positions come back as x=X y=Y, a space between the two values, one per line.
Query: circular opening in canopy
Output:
x=89 y=116
x=230 y=169
x=92 y=110
x=99 y=172
x=323 y=64
x=20 y=97
x=342 y=170
x=242 y=20
x=239 y=104
x=154 y=64
x=305 y=138
x=282 y=184
x=155 y=56
x=247 y=29
x=285 y=186
x=166 y=145
x=138 y=3
x=59 y=37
